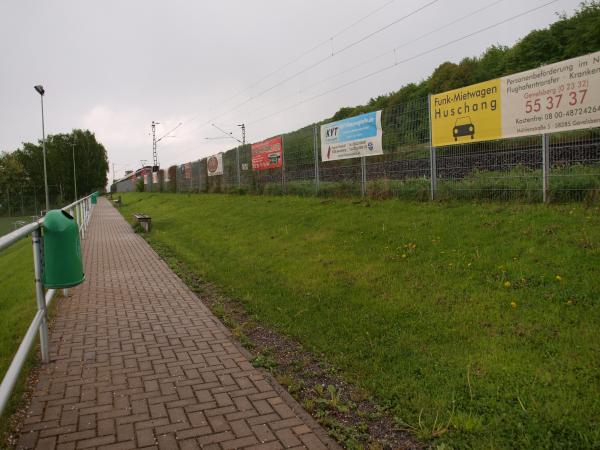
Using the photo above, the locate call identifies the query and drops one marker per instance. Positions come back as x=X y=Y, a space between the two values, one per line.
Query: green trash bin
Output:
x=94 y=198
x=63 y=265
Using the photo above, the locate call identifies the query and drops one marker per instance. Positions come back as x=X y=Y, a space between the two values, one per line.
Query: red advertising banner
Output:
x=267 y=154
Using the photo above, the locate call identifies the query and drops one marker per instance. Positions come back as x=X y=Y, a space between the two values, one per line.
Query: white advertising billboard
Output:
x=558 y=97
x=352 y=138
x=214 y=165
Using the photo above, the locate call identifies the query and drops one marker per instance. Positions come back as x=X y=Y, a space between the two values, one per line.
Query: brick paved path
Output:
x=139 y=362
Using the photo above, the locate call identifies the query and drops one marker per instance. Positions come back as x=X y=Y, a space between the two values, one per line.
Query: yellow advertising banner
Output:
x=562 y=96
x=468 y=114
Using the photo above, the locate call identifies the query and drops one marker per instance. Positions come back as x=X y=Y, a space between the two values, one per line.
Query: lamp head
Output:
x=40 y=89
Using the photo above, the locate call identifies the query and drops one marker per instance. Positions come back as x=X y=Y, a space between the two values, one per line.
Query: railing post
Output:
x=82 y=208
x=316 y=157
x=545 y=167
x=77 y=220
x=432 y=154
x=39 y=294
x=66 y=291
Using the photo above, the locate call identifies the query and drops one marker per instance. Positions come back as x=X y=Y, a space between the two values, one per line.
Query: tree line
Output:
x=22 y=172
x=568 y=37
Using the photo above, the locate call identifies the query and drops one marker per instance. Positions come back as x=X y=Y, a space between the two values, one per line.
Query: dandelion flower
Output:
x=507 y=284
x=569 y=302
x=558 y=278
x=513 y=304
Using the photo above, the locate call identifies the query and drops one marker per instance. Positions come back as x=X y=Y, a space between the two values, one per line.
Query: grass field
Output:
x=481 y=319
x=7 y=223
x=17 y=309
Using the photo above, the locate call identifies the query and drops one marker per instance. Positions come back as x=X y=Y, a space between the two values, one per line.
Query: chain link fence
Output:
x=25 y=200
x=556 y=167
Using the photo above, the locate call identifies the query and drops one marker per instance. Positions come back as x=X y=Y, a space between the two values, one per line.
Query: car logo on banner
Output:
x=463 y=127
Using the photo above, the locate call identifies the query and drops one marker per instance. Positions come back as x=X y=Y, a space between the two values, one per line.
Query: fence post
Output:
x=39 y=294
x=316 y=158
x=363 y=176
x=545 y=167
x=432 y=154
x=283 y=187
x=237 y=163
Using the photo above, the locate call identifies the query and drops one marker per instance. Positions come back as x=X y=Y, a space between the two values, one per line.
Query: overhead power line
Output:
x=318 y=62
x=169 y=132
x=154 y=142
x=309 y=51
x=397 y=63
x=299 y=57
x=381 y=55
x=326 y=58
x=228 y=134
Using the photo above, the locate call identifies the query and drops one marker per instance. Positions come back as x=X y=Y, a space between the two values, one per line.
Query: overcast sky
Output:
x=113 y=66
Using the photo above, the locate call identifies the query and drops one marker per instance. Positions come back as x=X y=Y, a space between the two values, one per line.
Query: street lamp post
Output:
x=74 y=171
x=40 y=90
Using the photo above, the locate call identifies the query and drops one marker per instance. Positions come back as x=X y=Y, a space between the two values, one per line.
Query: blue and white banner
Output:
x=352 y=138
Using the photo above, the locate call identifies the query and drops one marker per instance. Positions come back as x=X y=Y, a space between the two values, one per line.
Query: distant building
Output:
x=128 y=182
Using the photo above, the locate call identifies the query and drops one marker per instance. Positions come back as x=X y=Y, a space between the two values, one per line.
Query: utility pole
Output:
x=156 y=141
x=74 y=170
x=237 y=155
x=243 y=127
x=154 y=152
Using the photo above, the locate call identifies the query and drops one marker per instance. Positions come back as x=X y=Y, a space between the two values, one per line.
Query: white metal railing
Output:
x=81 y=210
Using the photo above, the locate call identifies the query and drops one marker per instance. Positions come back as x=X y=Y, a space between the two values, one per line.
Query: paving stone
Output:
x=137 y=361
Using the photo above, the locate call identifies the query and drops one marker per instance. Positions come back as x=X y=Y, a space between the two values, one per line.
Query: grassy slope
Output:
x=410 y=301
x=17 y=308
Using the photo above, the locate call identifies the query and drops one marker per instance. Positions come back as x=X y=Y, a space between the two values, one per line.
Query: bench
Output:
x=144 y=220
